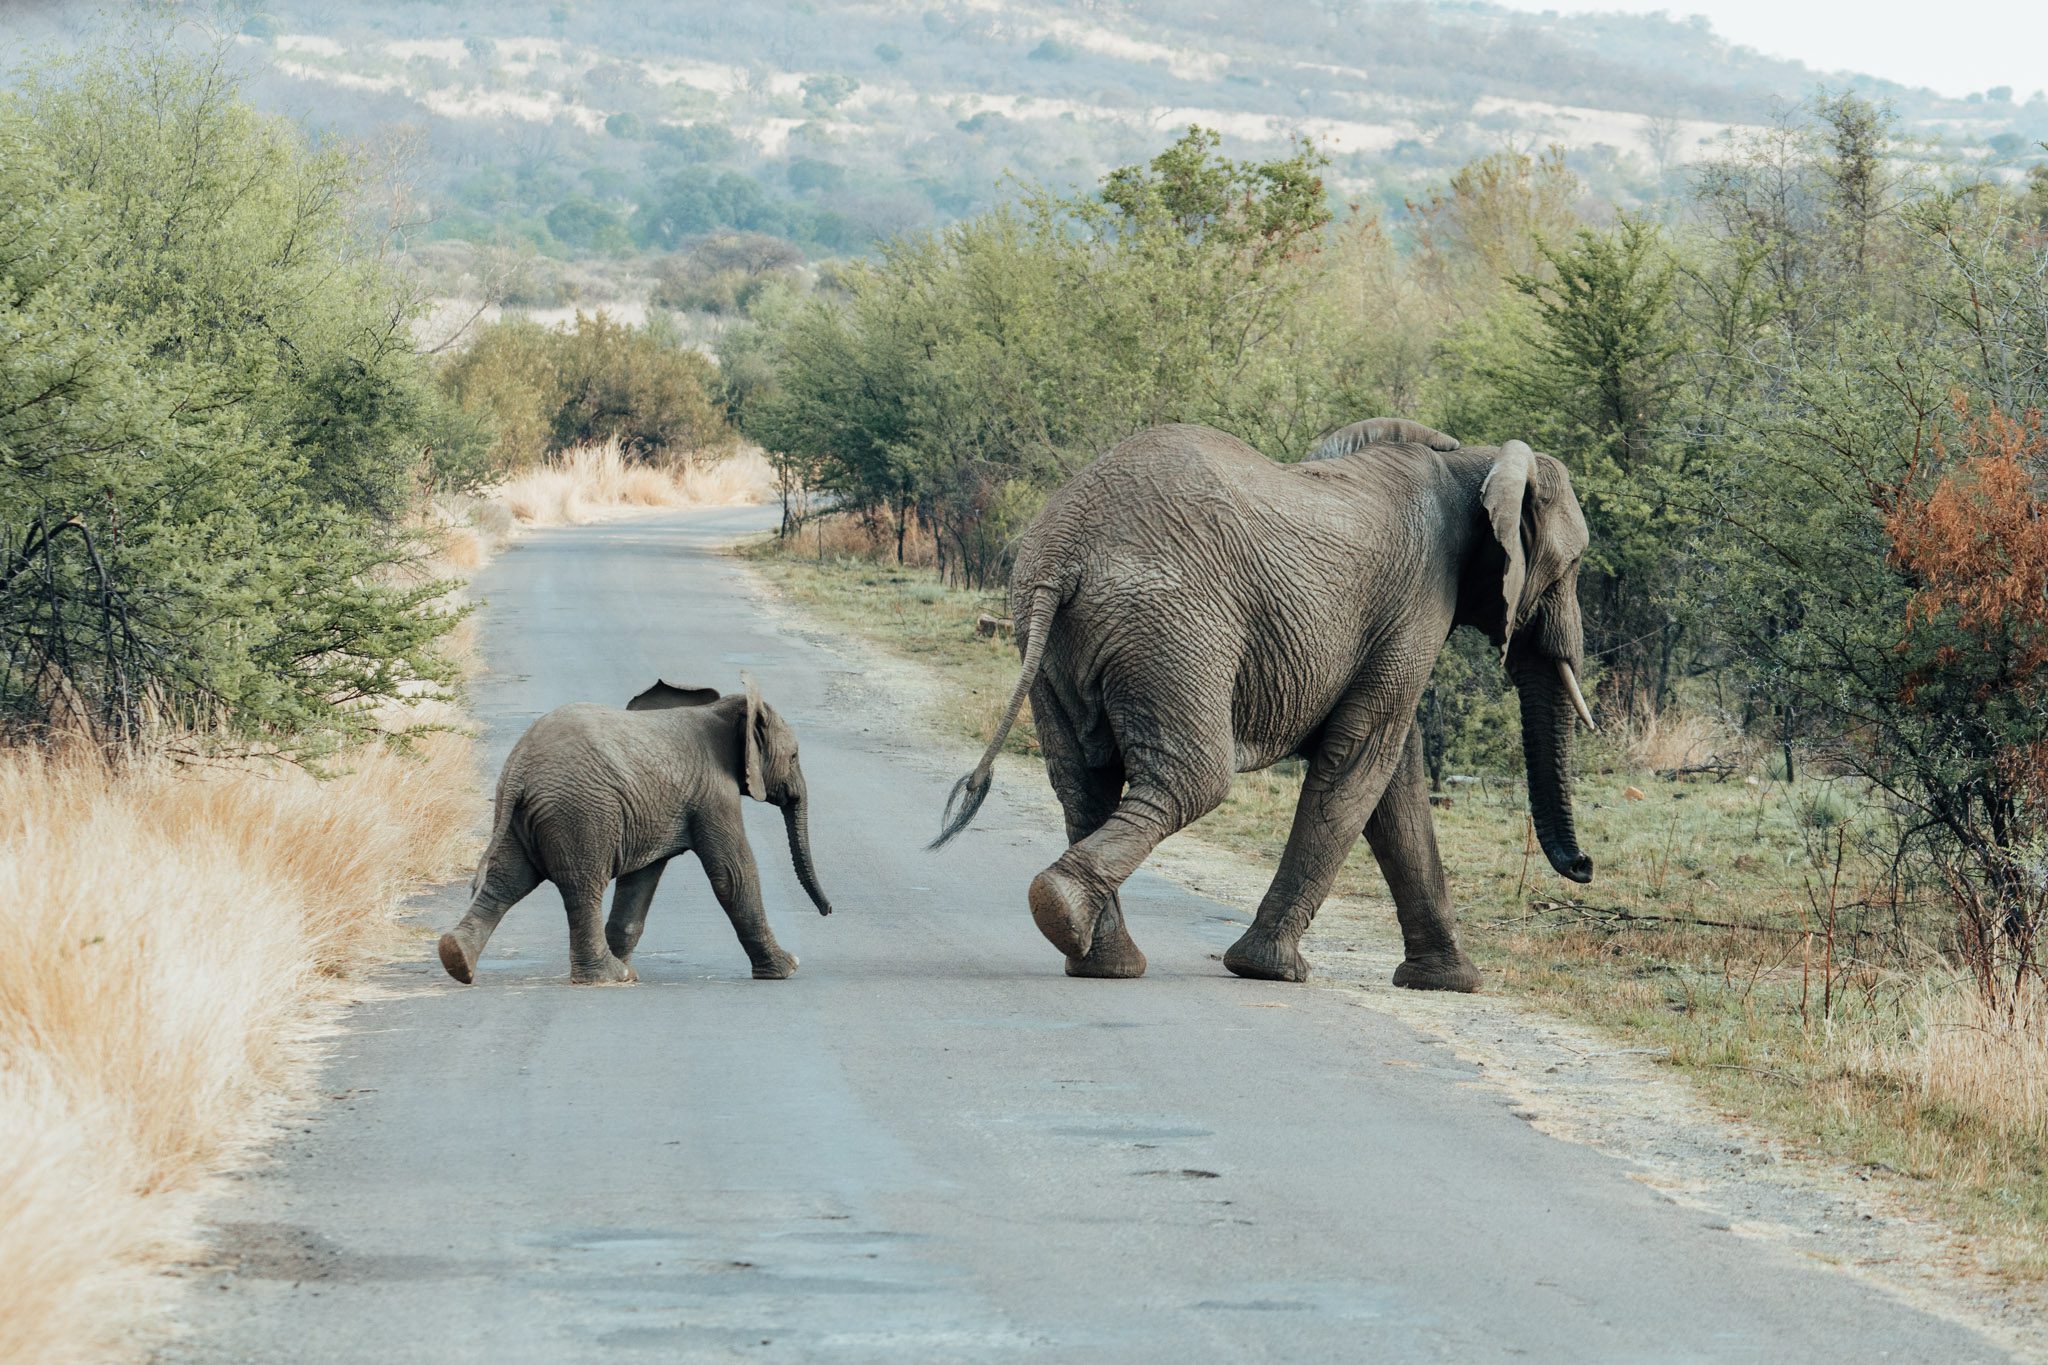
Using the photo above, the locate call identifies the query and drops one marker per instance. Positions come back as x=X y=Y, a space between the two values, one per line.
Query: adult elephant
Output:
x=1188 y=609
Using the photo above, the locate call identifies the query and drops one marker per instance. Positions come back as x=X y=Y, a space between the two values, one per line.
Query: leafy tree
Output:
x=965 y=372
x=211 y=413
x=684 y=206
x=1590 y=377
x=543 y=390
x=808 y=174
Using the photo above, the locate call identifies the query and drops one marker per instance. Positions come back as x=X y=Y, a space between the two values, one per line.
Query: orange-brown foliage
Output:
x=1977 y=541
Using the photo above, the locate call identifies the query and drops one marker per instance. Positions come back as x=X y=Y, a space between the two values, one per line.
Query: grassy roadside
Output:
x=171 y=942
x=1705 y=935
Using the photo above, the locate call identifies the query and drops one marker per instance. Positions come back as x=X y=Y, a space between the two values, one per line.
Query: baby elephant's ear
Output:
x=661 y=696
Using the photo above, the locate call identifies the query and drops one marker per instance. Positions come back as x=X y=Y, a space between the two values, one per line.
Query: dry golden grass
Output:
x=170 y=939
x=591 y=483
x=1679 y=739
x=843 y=535
x=1976 y=1059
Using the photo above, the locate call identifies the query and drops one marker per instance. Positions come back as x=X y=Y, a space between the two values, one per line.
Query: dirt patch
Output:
x=1565 y=1079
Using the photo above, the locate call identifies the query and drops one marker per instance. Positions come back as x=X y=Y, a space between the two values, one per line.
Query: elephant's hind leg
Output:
x=1075 y=899
x=508 y=876
x=591 y=962
x=1088 y=796
x=631 y=896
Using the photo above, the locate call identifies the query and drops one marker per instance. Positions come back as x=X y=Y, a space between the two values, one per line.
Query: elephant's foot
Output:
x=1113 y=956
x=1451 y=971
x=1064 y=911
x=609 y=972
x=456 y=959
x=776 y=966
x=1262 y=957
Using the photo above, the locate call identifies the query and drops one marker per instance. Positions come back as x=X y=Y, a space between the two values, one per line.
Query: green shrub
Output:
x=541 y=390
x=212 y=417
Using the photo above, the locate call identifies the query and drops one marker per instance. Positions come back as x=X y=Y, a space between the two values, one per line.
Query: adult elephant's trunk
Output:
x=1549 y=710
x=796 y=819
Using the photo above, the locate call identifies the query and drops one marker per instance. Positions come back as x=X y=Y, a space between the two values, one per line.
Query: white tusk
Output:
x=1571 y=685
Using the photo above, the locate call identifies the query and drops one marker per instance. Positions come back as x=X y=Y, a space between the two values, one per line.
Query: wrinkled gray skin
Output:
x=590 y=794
x=1189 y=609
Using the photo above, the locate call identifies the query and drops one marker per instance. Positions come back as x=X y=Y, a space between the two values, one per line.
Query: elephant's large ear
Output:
x=663 y=695
x=751 y=775
x=1504 y=495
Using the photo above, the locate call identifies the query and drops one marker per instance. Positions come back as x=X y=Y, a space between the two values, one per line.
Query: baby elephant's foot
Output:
x=1263 y=957
x=456 y=959
x=609 y=972
x=776 y=966
x=1451 y=971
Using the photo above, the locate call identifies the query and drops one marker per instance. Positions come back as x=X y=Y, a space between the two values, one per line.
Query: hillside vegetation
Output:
x=588 y=131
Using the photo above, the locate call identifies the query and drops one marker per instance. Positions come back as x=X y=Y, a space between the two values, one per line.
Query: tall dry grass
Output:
x=591 y=483
x=1983 y=1060
x=170 y=941
x=1676 y=738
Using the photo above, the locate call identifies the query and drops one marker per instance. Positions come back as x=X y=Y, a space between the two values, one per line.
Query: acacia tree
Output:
x=211 y=411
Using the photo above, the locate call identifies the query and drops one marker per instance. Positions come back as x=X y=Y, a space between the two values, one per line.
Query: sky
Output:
x=1971 y=45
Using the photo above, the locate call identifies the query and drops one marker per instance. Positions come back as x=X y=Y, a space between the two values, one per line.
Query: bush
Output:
x=697 y=142
x=587 y=225
x=543 y=390
x=723 y=273
x=213 y=415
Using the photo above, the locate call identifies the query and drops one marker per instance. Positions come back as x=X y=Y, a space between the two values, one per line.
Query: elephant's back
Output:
x=581 y=745
x=1155 y=495
x=1199 y=572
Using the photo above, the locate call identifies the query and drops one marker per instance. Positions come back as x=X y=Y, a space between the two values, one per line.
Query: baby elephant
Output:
x=591 y=794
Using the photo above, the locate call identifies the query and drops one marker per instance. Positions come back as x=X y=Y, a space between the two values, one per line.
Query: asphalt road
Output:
x=929 y=1145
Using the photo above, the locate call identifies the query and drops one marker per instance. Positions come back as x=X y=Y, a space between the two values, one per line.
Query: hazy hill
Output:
x=593 y=128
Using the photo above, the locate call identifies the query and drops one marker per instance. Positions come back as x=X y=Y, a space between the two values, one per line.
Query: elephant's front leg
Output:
x=591 y=961
x=1403 y=837
x=729 y=863
x=1345 y=778
x=630 y=899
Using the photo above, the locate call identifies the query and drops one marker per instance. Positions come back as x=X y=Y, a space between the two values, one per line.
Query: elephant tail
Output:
x=970 y=791
x=502 y=807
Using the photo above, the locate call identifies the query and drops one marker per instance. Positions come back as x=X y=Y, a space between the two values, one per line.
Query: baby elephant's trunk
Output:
x=796 y=818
